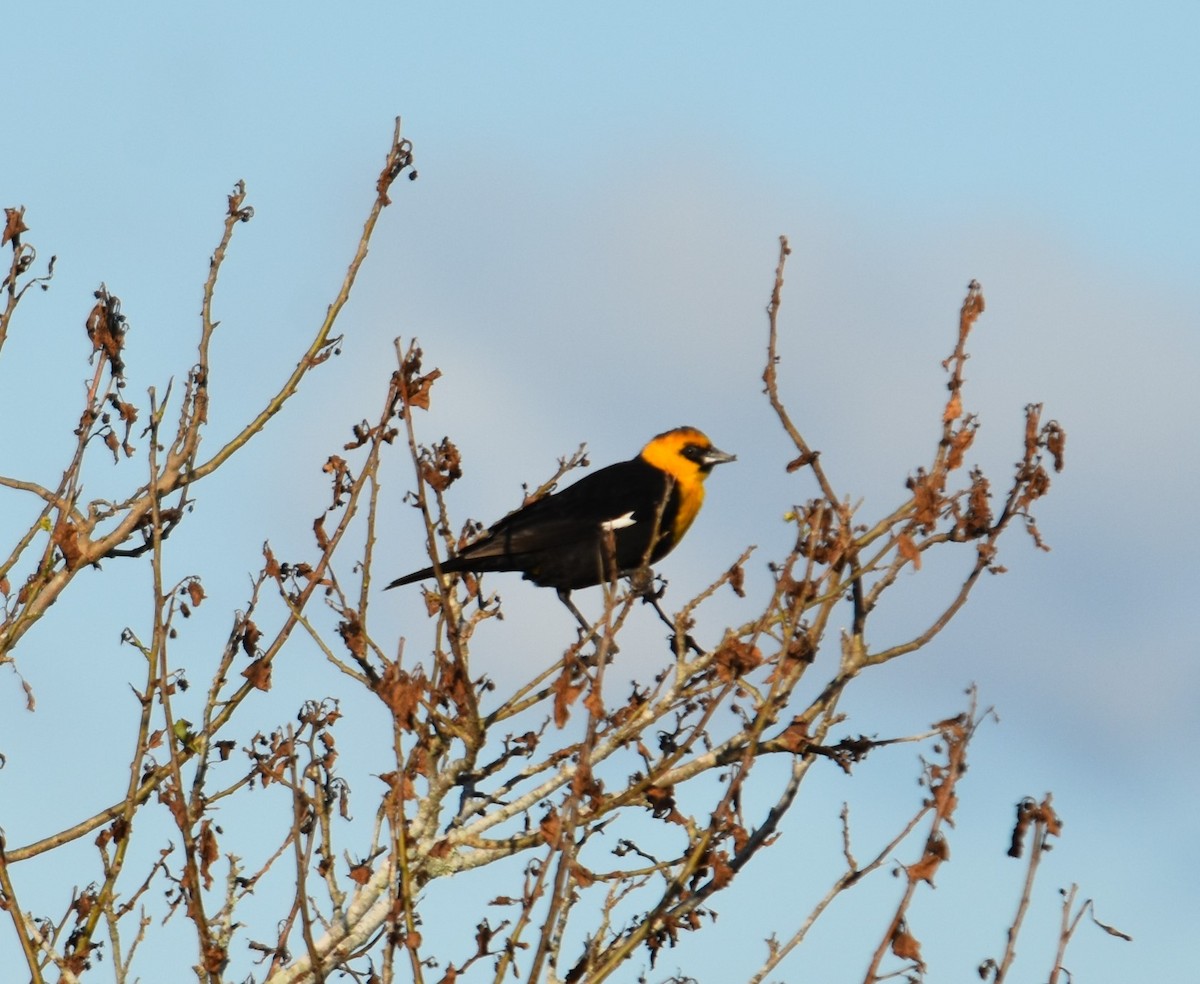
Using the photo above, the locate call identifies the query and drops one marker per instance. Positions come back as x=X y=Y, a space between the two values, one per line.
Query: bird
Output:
x=611 y=523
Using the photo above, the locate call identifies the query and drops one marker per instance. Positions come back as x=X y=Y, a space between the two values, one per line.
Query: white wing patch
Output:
x=620 y=523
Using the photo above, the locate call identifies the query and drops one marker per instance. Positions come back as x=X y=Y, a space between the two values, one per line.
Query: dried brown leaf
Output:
x=661 y=800
x=441 y=465
x=721 y=869
x=14 y=225
x=1111 y=930
x=351 y=631
x=207 y=844
x=402 y=693
x=1056 y=443
x=594 y=702
x=258 y=674
x=960 y=441
x=795 y=736
x=737 y=580
x=978 y=519
x=106 y=328
x=908 y=550
x=953 y=408
x=195 y=592
x=413 y=387
x=735 y=659
x=807 y=458
x=250 y=634
x=566 y=691
x=68 y=538
x=551 y=827
x=906 y=946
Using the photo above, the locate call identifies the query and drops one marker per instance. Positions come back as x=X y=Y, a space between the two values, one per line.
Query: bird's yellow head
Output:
x=687 y=455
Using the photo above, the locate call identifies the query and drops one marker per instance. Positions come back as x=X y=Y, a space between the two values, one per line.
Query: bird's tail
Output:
x=411 y=578
x=451 y=565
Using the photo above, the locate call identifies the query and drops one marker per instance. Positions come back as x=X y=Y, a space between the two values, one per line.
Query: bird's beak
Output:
x=715 y=456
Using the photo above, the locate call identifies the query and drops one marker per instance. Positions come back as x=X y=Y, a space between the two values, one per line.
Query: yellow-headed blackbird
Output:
x=562 y=540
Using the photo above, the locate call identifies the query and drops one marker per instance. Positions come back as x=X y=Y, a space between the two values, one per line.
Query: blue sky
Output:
x=587 y=256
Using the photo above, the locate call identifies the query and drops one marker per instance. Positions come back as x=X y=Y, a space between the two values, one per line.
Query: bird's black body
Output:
x=559 y=541
x=632 y=513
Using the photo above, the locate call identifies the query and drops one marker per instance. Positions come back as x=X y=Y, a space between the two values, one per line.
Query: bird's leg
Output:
x=642 y=583
x=565 y=597
x=590 y=632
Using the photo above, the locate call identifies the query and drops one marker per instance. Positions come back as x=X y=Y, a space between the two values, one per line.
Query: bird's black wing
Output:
x=621 y=496
x=558 y=540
